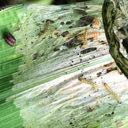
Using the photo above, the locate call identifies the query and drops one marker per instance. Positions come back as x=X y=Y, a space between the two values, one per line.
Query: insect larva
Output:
x=92 y=35
x=96 y=23
x=116 y=97
x=88 y=35
x=9 y=38
x=86 y=81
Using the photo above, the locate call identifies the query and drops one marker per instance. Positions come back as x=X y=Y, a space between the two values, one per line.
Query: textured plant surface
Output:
x=42 y=77
x=115 y=17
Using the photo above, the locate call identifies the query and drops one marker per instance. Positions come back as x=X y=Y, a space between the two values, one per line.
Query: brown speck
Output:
x=90 y=109
x=112 y=113
x=85 y=51
x=108 y=115
x=68 y=22
x=86 y=20
x=35 y=56
x=73 y=42
x=99 y=74
x=56 y=49
x=64 y=34
x=70 y=26
x=49 y=21
x=62 y=23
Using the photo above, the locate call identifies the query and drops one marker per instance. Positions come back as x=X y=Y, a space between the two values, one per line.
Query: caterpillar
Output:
x=86 y=35
x=96 y=23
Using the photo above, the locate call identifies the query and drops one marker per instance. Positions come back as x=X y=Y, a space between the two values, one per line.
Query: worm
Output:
x=87 y=81
x=108 y=89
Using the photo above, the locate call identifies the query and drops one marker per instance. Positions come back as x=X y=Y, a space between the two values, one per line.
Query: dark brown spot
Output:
x=90 y=109
x=85 y=51
x=68 y=22
x=72 y=43
x=9 y=38
x=99 y=74
x=112 y=113
x=64 y=34
x=62 y=23
x=49 y=21
x=70 y=26
x=80 y=11
x=35 y=56
x=56 y=49
x=86 y=20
